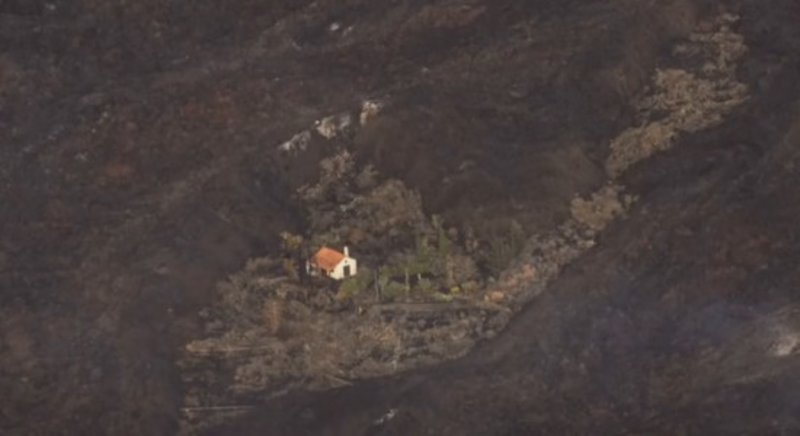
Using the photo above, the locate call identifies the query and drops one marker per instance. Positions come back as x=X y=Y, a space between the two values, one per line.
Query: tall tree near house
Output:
x=376 y=285
x=505 y=244
x=450 y=280
x=424 y=261
x=407 y=282
x=443 y=243
x=443 y=250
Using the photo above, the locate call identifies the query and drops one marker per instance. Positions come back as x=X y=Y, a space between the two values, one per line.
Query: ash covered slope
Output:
x=683 y=320
x=133 y=171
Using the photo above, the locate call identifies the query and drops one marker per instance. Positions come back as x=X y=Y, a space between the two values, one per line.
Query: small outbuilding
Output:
x=328 y=262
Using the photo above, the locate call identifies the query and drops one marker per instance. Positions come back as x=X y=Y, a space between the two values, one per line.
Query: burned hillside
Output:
x=568 y=216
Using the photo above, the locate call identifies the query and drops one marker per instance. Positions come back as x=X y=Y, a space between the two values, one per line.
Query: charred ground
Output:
x=137 y=171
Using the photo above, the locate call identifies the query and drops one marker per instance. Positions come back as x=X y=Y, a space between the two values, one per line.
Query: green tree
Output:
x=504 y=246
x=352 y=286
x=444 y=245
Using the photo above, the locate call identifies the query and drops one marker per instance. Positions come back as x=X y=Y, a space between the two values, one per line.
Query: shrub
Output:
x=355 y=285
x=460 y=269
x=348 y=289
x=394 y=291
x=505 y=244
x=426 y=286
x=442 y=298
x=289 y=267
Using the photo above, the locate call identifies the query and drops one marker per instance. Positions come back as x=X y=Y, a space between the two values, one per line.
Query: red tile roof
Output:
x=327 y=259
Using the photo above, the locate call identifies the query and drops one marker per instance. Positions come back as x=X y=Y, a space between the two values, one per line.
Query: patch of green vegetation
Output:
x=433 y=265
x=505 y=244
x=394 y=291
x=350 y=287
x=426 y=286
x=431 y=251
x=424 y=260
x=444 y=245
x=442 y=298
x=469 y=286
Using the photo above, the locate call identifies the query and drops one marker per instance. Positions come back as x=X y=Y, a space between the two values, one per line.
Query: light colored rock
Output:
x=299 y=142
x=326 y=127
x=330 y=127
x=369 y=109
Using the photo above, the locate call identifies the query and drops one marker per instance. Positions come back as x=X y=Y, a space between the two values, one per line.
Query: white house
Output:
x=328 y=262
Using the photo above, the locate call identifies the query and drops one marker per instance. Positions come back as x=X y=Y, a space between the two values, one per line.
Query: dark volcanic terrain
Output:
x=140 y=165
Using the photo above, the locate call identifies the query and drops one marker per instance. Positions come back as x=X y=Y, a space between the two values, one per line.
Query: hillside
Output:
x=603 y=193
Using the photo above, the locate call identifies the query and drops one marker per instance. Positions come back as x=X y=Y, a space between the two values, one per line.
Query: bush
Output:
x=442 y=298
x=505 y=244
x=289 y=267
x=426 y=286
x=348 y=289
x=460 y=269
x=394 y=291
x=355 y=285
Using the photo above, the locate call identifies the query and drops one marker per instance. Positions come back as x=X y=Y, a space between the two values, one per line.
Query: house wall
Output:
x=338 y=272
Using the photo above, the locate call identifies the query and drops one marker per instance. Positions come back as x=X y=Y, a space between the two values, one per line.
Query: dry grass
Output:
x=601 y=208
x=685 y=101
